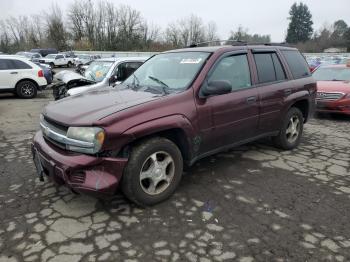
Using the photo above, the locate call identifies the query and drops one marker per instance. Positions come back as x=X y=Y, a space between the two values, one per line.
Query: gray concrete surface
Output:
x=253 y=203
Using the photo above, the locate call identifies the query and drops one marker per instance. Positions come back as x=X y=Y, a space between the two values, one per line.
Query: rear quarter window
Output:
x=17 y=64
x=296 y=63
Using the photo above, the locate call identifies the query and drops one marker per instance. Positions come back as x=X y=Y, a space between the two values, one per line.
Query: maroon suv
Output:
x=178 y=107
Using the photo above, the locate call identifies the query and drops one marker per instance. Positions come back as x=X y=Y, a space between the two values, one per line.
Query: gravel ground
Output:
x=253 y=203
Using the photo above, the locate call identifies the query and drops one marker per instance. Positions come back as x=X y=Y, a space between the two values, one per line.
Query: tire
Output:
x=26 y=89
x=289 y=137
x=69 y=64
x=52 y=65
x=150 y=161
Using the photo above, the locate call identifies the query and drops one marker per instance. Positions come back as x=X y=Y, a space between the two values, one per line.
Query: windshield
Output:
x=170 y=71
x=98 y=70
x=332 y=74
x=51 y=56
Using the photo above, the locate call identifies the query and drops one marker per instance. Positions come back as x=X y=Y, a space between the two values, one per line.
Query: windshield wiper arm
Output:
x=164 y=85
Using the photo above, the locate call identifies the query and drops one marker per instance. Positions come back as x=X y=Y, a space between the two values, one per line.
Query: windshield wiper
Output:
x=164 y=85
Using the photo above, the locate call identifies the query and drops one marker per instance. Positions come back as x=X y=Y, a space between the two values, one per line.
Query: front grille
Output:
x=325 y=96
x=77 y=178
x=55 y=126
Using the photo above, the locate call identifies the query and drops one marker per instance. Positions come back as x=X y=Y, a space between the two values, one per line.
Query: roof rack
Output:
x=235 y=43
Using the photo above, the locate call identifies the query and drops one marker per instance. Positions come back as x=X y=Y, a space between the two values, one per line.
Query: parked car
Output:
x=100 y=73
x=20 y=76
x=82 y=68
x=44 y=51
x=47 y=70
x=333 y=89
x=57 y=60
x=34 y=57
x=178 y=107
x=83 y=59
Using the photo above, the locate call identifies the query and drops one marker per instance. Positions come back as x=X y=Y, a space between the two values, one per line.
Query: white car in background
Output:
x=20 y=76
x=57 y=60
x=100 y=73
x=83 y=59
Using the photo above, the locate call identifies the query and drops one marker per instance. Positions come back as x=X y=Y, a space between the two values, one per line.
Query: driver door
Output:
x=229 y=118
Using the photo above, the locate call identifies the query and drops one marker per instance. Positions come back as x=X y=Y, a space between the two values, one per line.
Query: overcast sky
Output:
x=259 y=16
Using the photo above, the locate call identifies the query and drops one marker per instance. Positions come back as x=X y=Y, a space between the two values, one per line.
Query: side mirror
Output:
x=113 y=79
x=216 y=87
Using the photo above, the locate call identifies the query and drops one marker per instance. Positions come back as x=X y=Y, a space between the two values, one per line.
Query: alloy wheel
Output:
x=293 y=129
x=157 y=173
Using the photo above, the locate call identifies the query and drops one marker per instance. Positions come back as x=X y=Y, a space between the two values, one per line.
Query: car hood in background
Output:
x=68 y=76
x=333 y=86
x=89 y=107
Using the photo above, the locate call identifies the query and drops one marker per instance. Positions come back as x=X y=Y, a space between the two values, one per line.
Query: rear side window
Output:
x=10 y=64
x=17 y=64
x=296 y=63
x=269 y=67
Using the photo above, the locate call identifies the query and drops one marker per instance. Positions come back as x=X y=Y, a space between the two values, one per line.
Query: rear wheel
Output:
x=26 y=89
x=291 y=131
x=153 y=171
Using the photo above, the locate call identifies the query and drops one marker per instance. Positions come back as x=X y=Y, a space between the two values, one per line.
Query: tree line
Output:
x=301 y=33
x=104 y=26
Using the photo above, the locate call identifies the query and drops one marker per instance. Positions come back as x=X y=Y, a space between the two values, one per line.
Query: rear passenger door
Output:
x=233 y=116
x=11 y=71
x=272 y=86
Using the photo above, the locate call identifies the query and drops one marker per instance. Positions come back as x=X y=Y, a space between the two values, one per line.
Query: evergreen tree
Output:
x=300 y=26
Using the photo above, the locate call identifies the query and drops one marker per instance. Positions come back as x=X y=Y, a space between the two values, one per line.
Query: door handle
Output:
x=14 y=73
x=287 y=91
x=251 y=99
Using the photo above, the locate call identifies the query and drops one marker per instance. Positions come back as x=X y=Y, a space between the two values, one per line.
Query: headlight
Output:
x=85 y=139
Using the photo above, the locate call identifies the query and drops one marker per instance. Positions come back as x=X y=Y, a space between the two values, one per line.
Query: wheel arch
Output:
x=304 y=106
x=27 y=79
x=175 y=128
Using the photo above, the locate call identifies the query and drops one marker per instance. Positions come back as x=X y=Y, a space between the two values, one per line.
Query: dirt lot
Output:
x=253 y=203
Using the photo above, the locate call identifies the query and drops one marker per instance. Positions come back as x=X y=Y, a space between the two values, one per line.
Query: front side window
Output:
x=59 y=57
x=171 y=71
x=5 y=64
x=124 y=70
x=234 y=69
x=296 y=63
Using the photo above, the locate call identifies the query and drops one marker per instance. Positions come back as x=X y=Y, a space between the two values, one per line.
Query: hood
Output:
x=89 y=107
x=47 y=59
x=67 y=76
x=333 y=86
x=84 y=88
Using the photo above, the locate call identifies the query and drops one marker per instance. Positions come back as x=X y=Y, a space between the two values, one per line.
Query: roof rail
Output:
x=236 y=43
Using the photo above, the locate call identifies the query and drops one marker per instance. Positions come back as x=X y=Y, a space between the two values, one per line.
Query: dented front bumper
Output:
x=91 y=175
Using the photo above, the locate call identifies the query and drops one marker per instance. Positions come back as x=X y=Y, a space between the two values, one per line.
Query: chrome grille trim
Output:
x=329 y=96
x=57 y=136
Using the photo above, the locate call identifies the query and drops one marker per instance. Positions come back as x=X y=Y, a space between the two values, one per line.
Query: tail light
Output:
x=40 y=73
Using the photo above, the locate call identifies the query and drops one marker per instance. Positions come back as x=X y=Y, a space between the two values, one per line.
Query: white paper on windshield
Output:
x=191 y=61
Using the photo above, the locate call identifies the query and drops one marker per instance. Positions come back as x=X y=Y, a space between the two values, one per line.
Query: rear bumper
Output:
x=96 y=176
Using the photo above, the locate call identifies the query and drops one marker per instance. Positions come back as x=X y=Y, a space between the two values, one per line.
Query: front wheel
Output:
x=69 y=64
x=153 y=171
x=291 y=131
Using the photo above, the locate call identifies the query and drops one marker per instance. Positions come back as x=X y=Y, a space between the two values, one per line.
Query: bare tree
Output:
x=56 y=33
